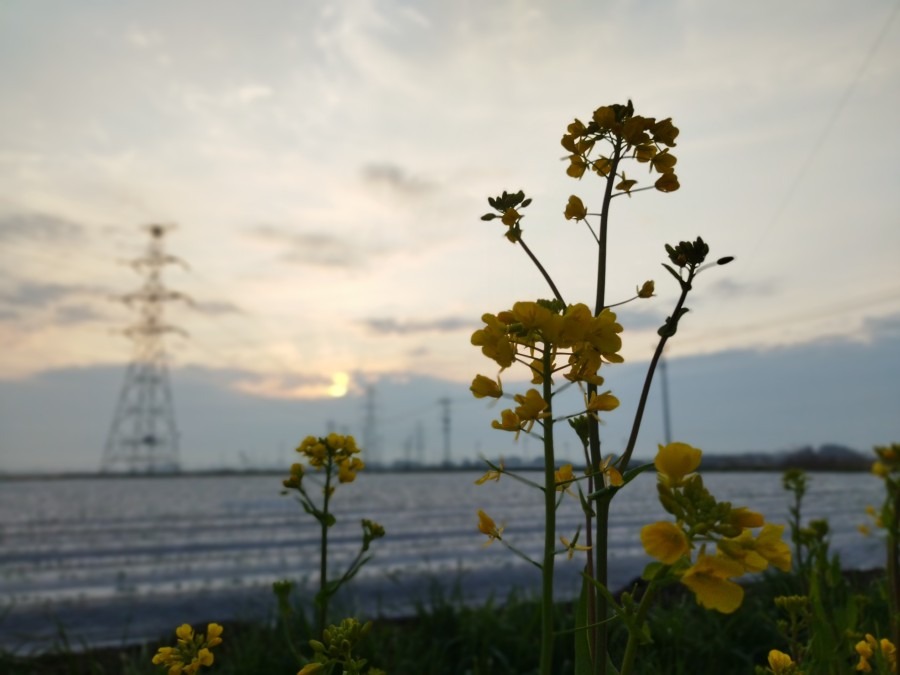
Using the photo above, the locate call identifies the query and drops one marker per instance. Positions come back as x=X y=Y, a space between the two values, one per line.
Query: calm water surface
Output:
x=117 y=560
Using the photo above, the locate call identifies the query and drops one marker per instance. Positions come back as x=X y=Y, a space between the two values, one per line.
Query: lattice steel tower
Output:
x=143 y=437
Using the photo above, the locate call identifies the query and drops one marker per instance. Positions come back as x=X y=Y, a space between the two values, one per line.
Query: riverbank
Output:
x=447 y=636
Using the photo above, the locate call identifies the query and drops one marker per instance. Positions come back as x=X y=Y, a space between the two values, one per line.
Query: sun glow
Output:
x=339 y=383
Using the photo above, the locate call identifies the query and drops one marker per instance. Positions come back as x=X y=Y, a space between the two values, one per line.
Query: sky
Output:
x=324 y=167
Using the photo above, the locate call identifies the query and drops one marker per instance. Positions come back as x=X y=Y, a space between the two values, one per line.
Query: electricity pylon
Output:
x=143 y=437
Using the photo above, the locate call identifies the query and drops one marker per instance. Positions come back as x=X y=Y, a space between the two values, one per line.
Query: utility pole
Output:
x=370 y=430
x=664 y=379
x=445 y=425
x=143 y=437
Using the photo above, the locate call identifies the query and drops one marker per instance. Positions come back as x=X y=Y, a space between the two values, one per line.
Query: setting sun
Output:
x=339 y=382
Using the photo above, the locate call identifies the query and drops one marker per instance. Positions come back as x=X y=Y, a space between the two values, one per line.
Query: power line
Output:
x=826 y=130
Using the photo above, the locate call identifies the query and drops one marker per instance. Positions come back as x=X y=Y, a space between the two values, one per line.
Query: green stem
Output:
x=323 y=556
x=634 y=631
x=648 y=380
x=893 y=564
x=546 y=662
x=543 y=272
x=600 y=638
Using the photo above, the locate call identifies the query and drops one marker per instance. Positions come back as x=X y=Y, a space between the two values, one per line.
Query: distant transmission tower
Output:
x=143 y=437
x=445 y=427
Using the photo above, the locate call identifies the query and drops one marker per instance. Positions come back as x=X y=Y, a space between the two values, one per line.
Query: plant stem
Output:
x=546 y=662
x=893 y=563
x=601 y=636
x=323 y=556
x=543 y=272
x=648 y=380
x=634 y=629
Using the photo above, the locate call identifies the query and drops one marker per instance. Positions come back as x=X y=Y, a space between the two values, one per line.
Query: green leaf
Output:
x=583 y=661
x=631 y=474
x=489 y=216
x=674 y=274
x=651 y=570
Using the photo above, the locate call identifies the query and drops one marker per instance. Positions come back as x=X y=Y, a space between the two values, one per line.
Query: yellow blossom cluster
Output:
x=888 y=463
x=336 y=649
x=871 y=650
x=329 y=452
x=702 y=522
x=644 y=139
x=537 y=334
x=191 y=652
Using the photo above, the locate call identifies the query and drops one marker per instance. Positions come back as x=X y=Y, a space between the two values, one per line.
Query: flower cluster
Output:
x=629 y=135
x=191 y=652
x=336 y=648
x=887 y=465
x=329 y=452
x=881 y=652
x=702 y=522
x=537 y=334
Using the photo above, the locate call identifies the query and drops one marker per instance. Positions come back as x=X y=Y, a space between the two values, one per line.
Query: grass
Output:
x=447 y=637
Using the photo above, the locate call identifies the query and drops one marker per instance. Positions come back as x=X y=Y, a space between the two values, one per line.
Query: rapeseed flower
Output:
x=487 y=526
x=709 y=579
x=191 y=652
x=675 y=461
x=665 y=541
x=781 y=663
x=572 y=546
x=870 y=650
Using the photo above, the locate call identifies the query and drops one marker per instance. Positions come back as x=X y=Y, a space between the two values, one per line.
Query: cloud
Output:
x=41 y=294
x=73 y=314
x=38 y=227
x=313 y=248
x=732 y=289
x=216 y=307
x=284 y=386
x=882 y=326
x=390 y=326
x=390 y=177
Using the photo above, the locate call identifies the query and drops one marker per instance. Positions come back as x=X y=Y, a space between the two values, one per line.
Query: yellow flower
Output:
x=311 y=669
x=572 y=546
x=881 y=469
x=564 y=478
x=193 y=651
x=494 y=342
x=491 y=474
x=868 y=648
x=347 y=469
x=646 y=290
x=611 y=475
x=509 y=421
x=487 y=526
x=531 y=408
x=780 y=663
x=744 y=517
x=709 y=578
x=510 y=217
x=484 y=386
x=625 y=185
x=575 y=209
x=771 y=546
x=214 y=635
x=665 y=541
x=675 y=461
x=601 y=402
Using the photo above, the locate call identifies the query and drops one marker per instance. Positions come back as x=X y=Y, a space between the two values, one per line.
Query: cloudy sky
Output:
x=325 y=166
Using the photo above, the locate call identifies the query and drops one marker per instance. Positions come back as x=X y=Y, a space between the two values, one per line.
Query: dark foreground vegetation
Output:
x=499 y=638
